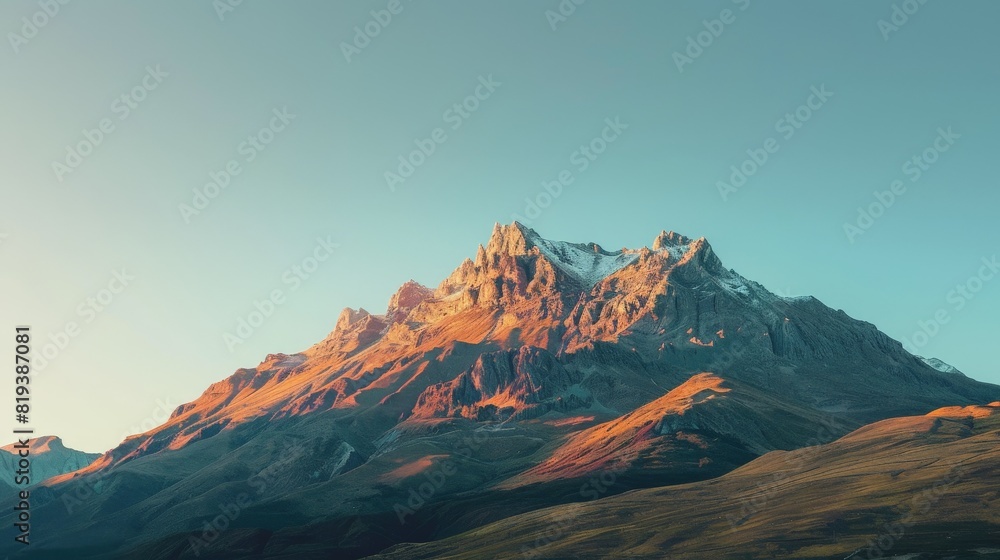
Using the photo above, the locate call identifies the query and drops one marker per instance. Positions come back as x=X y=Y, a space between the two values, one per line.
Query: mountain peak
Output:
x=349 y=317
x=39 y=445
x=587 y=263
x=514 y=239
x=669 y=239
x=408 y=296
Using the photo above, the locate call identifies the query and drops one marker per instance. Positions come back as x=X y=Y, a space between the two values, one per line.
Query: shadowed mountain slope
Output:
x=921 y=487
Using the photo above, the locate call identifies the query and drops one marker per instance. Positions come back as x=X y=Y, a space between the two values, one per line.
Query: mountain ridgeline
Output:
x=534 y=368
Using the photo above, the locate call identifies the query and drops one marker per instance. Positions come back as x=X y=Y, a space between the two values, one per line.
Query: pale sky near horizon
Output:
x=864 y=100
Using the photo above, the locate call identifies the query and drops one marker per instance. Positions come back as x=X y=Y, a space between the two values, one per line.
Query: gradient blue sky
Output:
x=160 y=342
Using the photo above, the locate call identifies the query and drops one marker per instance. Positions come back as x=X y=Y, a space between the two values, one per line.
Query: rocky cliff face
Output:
x=506 y=385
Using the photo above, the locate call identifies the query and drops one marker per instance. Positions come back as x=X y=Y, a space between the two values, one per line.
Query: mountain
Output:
x=49 y=458
x=921 y=487
x=529 y=373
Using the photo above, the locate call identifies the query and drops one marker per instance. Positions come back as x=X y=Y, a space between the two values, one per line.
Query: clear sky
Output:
x=339 y=109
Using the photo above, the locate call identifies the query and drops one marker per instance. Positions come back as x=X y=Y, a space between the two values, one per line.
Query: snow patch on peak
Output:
x=940 y=365
x=588 y=263
x=736 y=284
x=676 y=252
